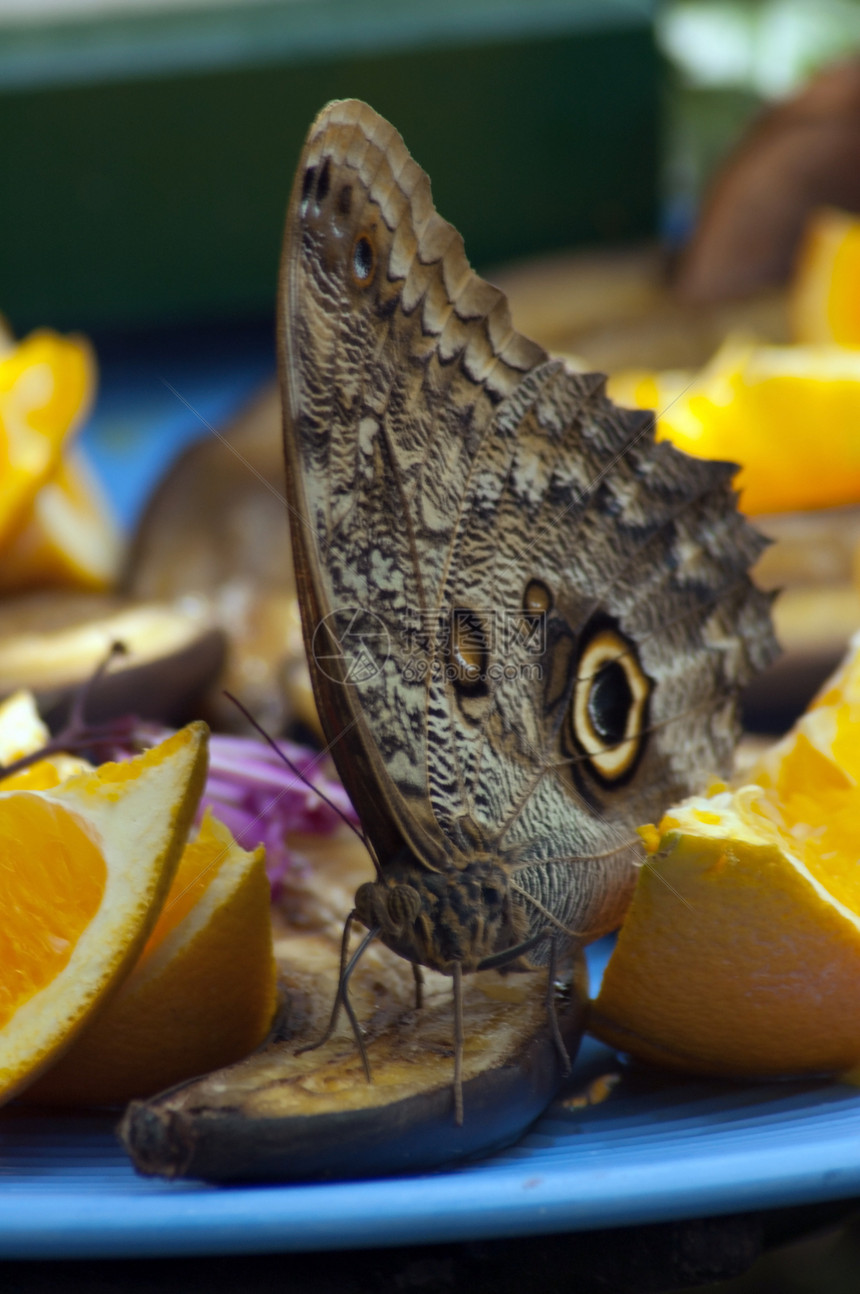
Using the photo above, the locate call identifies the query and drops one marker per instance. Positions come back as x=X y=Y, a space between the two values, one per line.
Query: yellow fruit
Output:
x=740 y=954
x=51 y=641
x=831 y=726
x=67 y=538
x=21 y=729
x=84 y=869
x=46 y=385
x=787 y=414
x=824 y=298
x=644 y=389
x=202 y=994
x=21 y=733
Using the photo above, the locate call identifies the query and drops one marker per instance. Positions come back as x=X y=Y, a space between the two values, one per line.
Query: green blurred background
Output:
x=148 y=152
x=147 y=148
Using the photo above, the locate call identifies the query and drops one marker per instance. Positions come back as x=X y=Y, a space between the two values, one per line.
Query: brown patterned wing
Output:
x=636 y=559
x=394 y=356
x=527 y=623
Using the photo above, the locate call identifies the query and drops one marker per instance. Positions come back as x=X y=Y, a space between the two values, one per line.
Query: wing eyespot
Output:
x=537 y=599
x=307 y=184
x=608 y=710
x=323 y=182
x=468 y=653
x=362 y=259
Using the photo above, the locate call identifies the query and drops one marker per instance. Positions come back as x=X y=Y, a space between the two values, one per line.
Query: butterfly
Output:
x=527 y=622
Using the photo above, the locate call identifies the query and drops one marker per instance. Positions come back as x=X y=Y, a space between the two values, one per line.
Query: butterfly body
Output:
x=527 y=622
x=442 y=918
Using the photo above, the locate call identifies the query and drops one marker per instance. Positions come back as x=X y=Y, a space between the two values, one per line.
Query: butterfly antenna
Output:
x=77 y=713
x=76 y=734
x=297 y=772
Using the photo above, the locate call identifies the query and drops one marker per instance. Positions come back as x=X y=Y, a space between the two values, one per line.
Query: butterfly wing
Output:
x=637 y=559
x=394 y=357
x=469 y=518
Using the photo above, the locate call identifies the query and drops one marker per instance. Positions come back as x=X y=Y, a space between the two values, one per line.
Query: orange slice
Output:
x=202 y=994
x=84 y=869
x=67 y=538
x=46 y=386
x=824 y=298
x=740 y=954
x=787 y=414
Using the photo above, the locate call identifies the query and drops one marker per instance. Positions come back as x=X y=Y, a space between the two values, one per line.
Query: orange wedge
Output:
x=67 y=538
x=202 y=994
x=46 y=386
x=787 y=414
x=740 y=954
x=824 y=298
x=84 y=869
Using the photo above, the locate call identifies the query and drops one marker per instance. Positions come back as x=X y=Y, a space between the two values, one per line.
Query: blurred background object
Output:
x=802 y=154
x=731 y=64
x=153 y=146
x=215 y=533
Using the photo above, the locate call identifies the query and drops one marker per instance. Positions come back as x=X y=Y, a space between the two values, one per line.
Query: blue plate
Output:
x=657 y=1148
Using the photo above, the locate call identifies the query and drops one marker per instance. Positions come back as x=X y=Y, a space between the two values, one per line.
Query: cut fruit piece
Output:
x=21 y=729
x=21 y=733
x=281 y=1116
x=202 y=994
x=740 y=954
x=68 y=538
x=52 y=656
x=54 y=642
x=645 y=389
x=787 y=414
x=46 y=386
x=84 y=869
x=824 y=301
x=734 y=960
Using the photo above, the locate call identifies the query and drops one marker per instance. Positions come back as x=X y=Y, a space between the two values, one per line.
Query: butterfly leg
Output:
x=418 y=976
x=348 y=1007
x=338 y=997
x=342 y=995
x=498 y=960
x=458 y=1044
x=551 y=1010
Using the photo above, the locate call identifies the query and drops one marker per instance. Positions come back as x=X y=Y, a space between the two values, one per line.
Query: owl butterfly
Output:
x=527 y=623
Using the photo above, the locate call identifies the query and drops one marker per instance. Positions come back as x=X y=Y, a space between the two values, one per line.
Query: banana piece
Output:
x=280 y=1116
